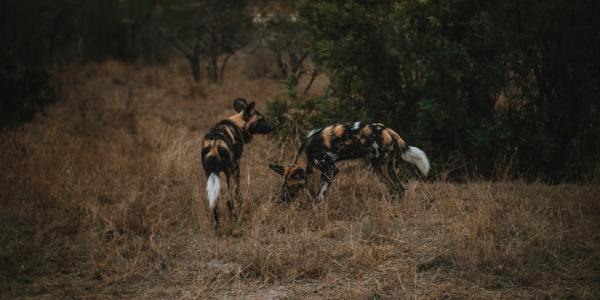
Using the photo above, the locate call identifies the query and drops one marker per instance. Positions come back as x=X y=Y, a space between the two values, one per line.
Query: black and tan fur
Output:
x=323 y=147
x=222 y=149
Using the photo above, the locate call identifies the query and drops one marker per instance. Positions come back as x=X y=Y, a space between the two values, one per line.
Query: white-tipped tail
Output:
x=213 y=185
x=418 y=158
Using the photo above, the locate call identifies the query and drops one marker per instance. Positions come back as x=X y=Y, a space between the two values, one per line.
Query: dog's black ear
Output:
x=239 y=104
x=248 y=110
x=299 y=174
x=277 y=168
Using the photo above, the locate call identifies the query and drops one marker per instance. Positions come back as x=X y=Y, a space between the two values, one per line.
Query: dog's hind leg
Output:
x=230 y=204
x=230 y=200
x=389 y=177
x=233 y=192
x=398 y=187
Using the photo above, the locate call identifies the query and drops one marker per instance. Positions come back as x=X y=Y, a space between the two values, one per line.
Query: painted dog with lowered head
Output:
x=323 y=147
x=222 y=149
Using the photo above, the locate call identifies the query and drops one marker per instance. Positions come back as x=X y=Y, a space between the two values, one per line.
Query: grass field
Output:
x=103 y=197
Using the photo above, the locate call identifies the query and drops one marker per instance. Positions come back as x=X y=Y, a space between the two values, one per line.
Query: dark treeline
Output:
x=37 y=35
x=490 y=88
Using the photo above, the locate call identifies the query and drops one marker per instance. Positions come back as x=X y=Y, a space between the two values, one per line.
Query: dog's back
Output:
x=352 y=140
x=222 y=148
x=325 y=146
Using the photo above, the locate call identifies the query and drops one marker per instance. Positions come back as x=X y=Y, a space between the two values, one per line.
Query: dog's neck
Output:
x=238 y=122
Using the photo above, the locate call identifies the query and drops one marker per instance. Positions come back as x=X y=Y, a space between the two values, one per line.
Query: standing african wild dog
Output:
x=323 y=147
x=222 y=149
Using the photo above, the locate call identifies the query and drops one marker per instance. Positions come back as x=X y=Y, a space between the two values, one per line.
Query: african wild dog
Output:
x=323 y=147
x=222 y=149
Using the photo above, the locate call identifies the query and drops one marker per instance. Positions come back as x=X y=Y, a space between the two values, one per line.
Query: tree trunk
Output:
x=282 y=65
x=194 y=60
x=195 y=64
x=222 y=72
x=55 y=29
x=212 y=69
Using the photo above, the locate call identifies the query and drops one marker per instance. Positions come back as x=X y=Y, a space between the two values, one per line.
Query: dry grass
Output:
x=102 y=197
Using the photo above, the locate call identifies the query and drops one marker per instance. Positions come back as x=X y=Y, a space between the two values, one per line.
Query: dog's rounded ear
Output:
x=248 y=110
x=239 y=104
x=277 y=168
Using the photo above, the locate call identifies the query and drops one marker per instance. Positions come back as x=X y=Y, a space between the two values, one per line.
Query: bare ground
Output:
x=102 y=197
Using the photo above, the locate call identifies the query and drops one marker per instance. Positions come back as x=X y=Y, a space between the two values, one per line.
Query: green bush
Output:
x=436 y=71
x=294 y=118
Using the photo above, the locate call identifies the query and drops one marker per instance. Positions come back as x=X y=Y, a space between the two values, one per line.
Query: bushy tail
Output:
x=416 y=157
x=213 y=186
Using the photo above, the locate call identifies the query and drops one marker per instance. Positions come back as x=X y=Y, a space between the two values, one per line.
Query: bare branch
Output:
x=314 y=75
x=175 y=42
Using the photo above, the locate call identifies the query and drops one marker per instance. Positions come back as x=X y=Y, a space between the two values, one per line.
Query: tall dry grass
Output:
x=102 y=197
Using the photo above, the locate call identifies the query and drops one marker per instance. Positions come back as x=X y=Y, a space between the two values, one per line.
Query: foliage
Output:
x=294 y=118
x=472 y=82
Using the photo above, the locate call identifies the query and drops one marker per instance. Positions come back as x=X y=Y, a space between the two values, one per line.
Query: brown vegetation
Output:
x=103 y=197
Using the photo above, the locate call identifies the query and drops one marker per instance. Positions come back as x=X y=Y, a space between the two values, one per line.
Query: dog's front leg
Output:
x=328 y=172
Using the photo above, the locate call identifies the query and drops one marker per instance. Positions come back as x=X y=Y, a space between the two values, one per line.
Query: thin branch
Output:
x=297 y=68
x=314 y=75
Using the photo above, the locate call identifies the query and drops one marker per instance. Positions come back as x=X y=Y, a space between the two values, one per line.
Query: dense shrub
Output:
x=477 y=85
x=24 y=91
